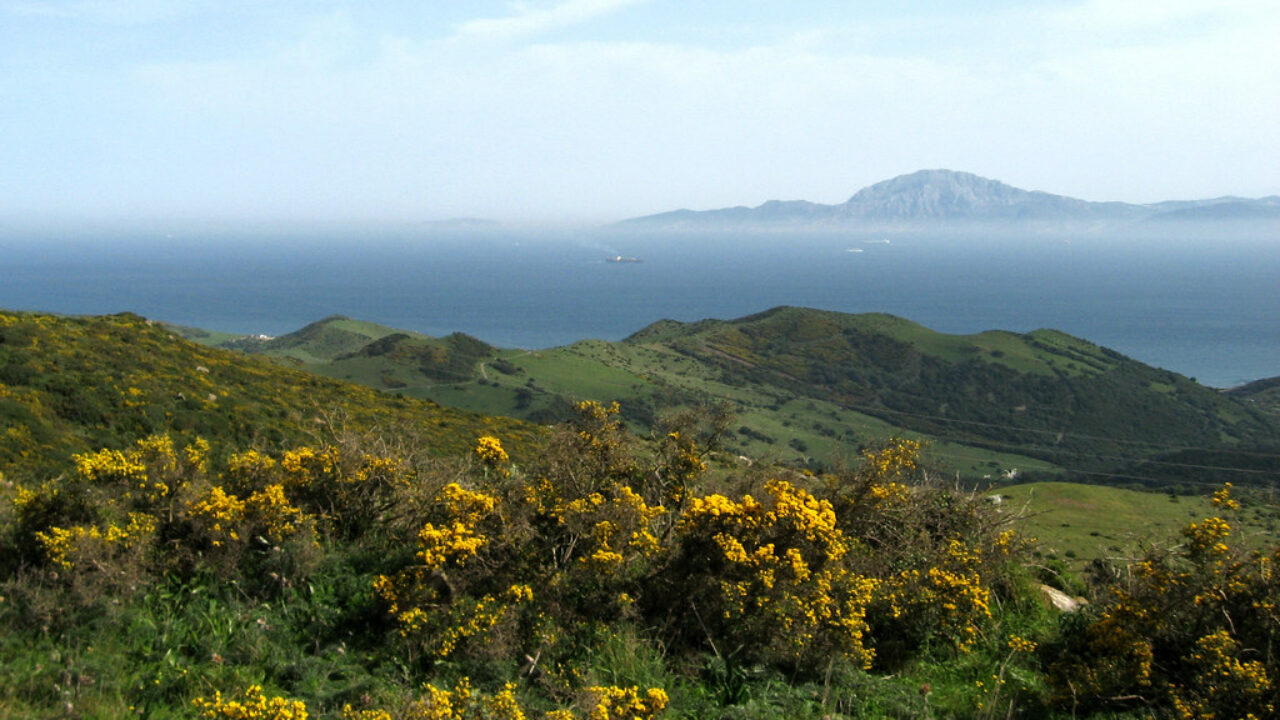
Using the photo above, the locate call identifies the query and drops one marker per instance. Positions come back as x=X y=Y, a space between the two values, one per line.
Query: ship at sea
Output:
x=623 y=259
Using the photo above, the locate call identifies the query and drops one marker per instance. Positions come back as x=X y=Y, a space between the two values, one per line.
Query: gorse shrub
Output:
x=484 y=568
x=942 y=557
x=531 y=559
x=768 y=579
x=1190 y=630
x=462 y=702
x=252 y=705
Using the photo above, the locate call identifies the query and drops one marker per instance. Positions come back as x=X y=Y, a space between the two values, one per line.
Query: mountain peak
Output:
x=939 y=196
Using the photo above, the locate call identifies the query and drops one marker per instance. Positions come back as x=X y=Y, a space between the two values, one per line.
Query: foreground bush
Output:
x=518 y=577
x=1189 y=631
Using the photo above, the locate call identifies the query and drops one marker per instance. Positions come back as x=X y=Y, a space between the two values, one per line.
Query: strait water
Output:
x=1207 y=308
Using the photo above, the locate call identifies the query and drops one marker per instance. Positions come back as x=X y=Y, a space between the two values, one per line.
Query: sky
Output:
x=585 y=111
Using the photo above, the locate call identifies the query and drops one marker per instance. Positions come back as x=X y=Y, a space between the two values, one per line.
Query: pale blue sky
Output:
x=595 y=110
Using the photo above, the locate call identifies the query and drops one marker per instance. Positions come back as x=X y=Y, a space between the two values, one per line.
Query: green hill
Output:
x=70 y=384
x=813 y=387
x=1045 y=394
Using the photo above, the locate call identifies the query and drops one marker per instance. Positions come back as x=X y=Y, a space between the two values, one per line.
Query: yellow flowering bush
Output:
x=947 y=599
x=461 y=703
x=893 y=462
x=1190 y=630
x=1221 y=684
x=942 y=555
x=224 y=520
x=594 y=453
x=774 y=576
x=219 y=514
x=110 y=507
x=110 y=466
x=767 y=576
x=250 y=470
x=681 y=462
x=613 y=528
x=305 y=466
x=38 y=509
x=350 y=713
x=251 y=705
x=149 y=472
x=616 y=703
x=271 y=515
x=443 y=629
x=347 y=490
x=423 y=601
x=489 y=451
x=78 y=545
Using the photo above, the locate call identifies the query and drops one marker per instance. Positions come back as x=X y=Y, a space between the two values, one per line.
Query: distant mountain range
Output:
x=947 y=197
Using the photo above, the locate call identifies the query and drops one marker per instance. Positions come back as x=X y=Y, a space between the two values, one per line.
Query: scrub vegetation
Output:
x=399 y=560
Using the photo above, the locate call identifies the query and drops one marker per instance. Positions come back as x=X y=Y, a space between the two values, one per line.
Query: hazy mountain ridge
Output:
x=932 y=197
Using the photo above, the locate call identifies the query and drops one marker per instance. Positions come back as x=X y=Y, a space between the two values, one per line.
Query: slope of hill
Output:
x=1079 y=523
x=70 y=384
x=1264 y=395
x=933 y=197
x=1044 y=394
x=813 y=387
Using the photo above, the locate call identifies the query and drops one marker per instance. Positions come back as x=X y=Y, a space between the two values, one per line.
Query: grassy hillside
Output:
x=649 y=379
x=1045 y=393
x=1079 y=523
x=71 y=384
x=812 y=387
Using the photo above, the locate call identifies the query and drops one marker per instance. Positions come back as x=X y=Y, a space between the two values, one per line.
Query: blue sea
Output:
x=1204 y=307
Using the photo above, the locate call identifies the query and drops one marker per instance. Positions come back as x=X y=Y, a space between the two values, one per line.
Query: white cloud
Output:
x=38 y=9
x=1136 y=15
x=531 y=21
x=110 y=12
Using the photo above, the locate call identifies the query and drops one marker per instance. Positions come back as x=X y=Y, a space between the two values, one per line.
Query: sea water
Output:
x=1207 y=308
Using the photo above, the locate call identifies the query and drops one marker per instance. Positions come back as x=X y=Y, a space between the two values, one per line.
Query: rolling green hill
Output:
x=71 y=384
x=1045 y=394
x=813 y=387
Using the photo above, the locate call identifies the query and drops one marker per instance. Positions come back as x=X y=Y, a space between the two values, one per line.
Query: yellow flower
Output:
x=252 y=706
x=489 y=450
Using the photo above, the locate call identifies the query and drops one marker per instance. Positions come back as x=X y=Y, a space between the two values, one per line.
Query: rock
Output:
x=1060 y=600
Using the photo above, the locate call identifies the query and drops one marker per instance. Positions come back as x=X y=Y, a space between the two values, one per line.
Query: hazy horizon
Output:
x=580 y=112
